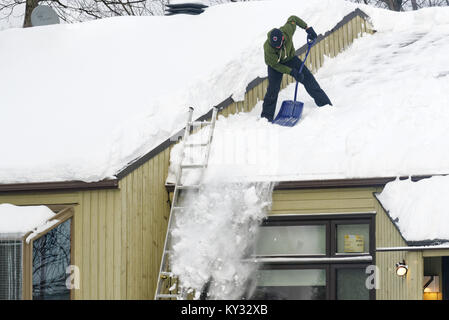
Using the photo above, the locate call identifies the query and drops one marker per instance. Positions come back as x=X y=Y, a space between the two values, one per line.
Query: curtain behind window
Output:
x=10 y=269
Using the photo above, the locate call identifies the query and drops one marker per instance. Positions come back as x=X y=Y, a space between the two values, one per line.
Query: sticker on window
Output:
x=354 y=243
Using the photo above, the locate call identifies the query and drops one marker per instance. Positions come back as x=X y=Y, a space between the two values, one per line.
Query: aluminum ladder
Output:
x=166 y=279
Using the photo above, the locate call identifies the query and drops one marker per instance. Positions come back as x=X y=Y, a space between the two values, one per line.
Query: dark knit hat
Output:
x=276 y=38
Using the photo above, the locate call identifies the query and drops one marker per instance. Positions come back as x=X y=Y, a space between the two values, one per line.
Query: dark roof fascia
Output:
x=59 y=186
x=333 y=183
x=422 y=243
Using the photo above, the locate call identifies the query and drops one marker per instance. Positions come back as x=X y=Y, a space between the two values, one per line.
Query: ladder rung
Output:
x=199 y=123
x=193 y=166
x=196 y=144
x=167 y=296
x=187 y=187
x=179 y=208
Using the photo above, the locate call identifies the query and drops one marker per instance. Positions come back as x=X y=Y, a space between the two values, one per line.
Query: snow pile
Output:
x=106 y=92
x=214 y=233
x=419 y=209
x=20 y=220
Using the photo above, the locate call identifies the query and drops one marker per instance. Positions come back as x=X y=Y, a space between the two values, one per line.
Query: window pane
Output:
x=303 y=240
x=10 y=270
x=352 y=238
x=51 y=257
x=351 y=284
x=291 y=284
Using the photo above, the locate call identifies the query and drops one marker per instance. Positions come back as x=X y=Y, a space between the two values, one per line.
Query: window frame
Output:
x=334 y=235
x=27 y=254
x=332 y=261
x=333 y=278
x=300 y=266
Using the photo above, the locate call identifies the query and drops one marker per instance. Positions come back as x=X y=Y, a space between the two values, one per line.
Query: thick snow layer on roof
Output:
x=20 y=220
x=80 y=101
x=419 y=209
x=390 y=113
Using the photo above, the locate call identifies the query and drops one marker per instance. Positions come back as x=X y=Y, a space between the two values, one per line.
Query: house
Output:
x=118 y=225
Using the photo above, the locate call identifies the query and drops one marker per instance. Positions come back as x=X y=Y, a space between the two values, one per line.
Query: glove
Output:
x=311 y=34
x=297 y=75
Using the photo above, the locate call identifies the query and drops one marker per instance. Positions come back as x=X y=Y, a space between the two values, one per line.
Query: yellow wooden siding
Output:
x=387 y=235
x=98 y=245
x=146 y=205
x=392 y=286
x=436 y=253
x=46 y=198
x=308 y=201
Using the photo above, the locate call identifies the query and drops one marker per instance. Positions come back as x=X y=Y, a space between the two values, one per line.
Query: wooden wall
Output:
x=335 y=200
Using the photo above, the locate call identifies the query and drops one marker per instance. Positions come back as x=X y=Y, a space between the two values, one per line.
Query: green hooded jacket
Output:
x=275 y=57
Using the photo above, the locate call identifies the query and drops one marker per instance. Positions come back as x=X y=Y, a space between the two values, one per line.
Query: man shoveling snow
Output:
x=280 y=58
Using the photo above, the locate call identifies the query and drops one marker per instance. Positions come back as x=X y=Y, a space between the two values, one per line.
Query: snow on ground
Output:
x=419 y=209
x=80 y=101
x=20 y=220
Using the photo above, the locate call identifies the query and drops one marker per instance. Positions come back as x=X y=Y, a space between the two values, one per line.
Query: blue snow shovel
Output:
x=291 y=111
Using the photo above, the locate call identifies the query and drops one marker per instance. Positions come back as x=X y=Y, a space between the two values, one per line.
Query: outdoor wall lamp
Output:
x=401 y=268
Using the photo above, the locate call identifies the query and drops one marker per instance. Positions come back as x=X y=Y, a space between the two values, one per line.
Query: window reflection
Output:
x=291 y=284
x=283 y=240
x=51 y=257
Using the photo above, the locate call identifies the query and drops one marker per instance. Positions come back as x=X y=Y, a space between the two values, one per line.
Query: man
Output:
x=280 y=58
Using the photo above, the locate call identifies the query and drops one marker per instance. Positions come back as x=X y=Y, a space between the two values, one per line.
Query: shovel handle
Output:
x=310 y=44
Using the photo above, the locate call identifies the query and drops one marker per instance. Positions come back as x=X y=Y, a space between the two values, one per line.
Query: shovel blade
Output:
x=289 y=114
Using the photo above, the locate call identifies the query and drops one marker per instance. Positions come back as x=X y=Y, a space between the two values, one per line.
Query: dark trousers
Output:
x=274 y=84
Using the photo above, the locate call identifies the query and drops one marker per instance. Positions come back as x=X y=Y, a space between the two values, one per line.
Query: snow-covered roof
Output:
x=106 y=92
x=390 y=113
x=419 y=209
x=15 y=221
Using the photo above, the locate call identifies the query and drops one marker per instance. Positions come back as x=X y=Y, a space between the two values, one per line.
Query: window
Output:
x=350 y=282
x=51 y=257
x=10 y=269
x=314 y=257
x=352 y=238
x=33 y=265
x=284 y=282
x=295 y=240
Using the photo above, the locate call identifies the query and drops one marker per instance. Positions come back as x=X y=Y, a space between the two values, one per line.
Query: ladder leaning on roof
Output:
x=168 y=286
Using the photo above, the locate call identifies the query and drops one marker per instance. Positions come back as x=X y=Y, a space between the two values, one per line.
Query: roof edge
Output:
x=59 y=186
x=334 y=183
